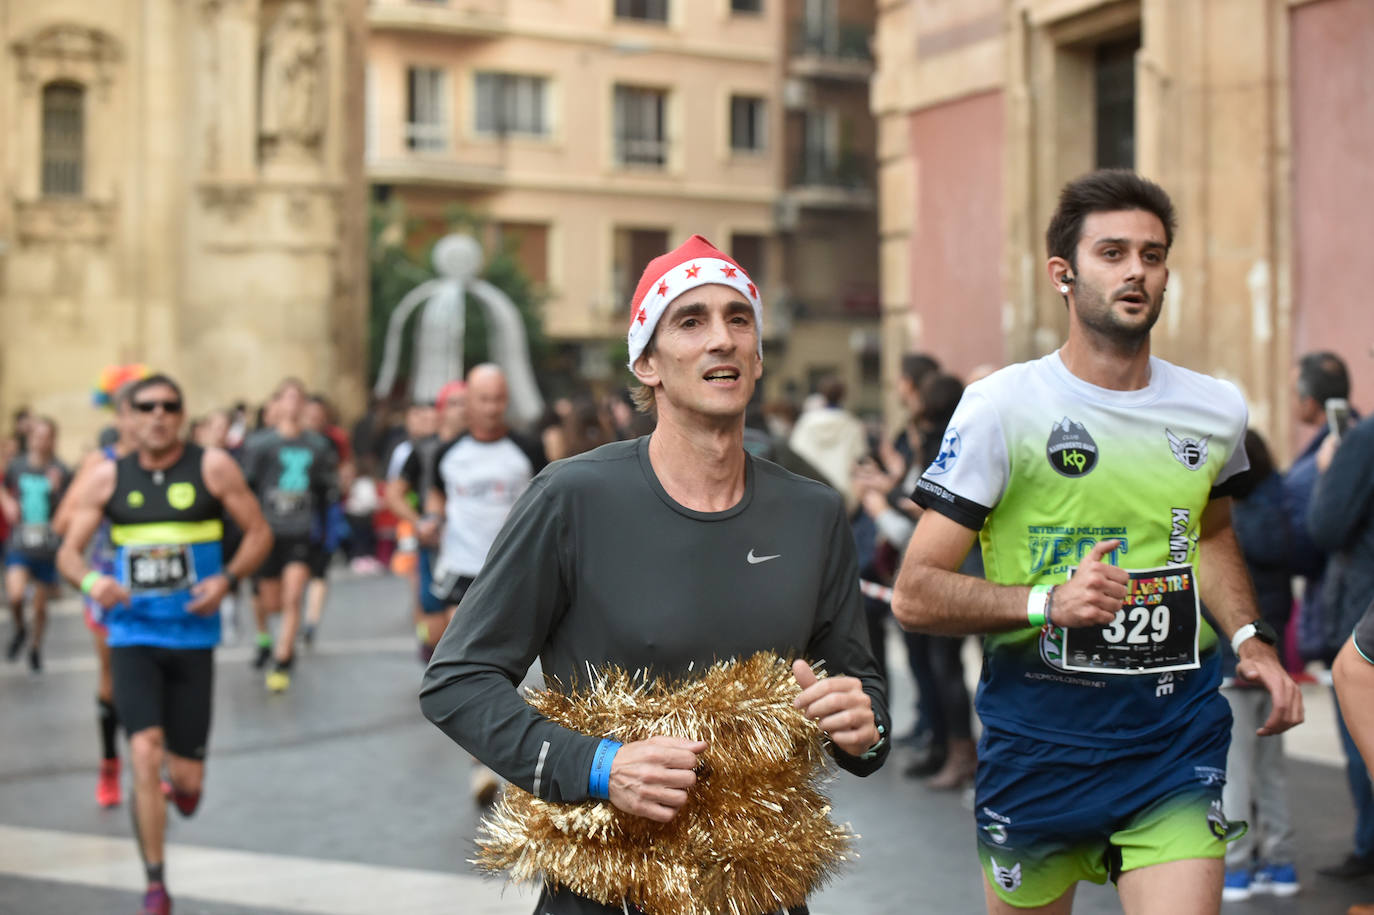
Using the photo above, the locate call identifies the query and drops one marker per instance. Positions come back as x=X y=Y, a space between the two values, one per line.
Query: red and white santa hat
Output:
x=696 y=262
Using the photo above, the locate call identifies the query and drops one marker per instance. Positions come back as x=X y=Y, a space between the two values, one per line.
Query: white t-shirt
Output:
x=480 y=481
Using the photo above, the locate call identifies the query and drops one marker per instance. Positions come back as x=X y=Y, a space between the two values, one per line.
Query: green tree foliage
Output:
x=399 y=251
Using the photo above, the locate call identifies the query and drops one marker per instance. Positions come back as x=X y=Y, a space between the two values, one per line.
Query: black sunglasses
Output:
x=148 y=406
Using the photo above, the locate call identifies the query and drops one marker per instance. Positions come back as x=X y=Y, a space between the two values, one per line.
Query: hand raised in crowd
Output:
x=840 y=706
x=1325 y=452
x=867 y=477
x=1093 y=595
x=650 y=778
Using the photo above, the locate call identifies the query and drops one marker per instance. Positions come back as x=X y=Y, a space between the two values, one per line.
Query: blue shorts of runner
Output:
x=43 y=571
x=1050 y=815
x=429 y=602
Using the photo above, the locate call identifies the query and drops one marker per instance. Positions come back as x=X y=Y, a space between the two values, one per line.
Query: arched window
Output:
x=64 y=139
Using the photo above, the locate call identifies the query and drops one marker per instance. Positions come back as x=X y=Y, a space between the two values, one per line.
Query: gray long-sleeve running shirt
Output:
x=598 y=565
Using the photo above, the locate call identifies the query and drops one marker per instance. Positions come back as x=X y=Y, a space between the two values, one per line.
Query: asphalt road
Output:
x=339 y=798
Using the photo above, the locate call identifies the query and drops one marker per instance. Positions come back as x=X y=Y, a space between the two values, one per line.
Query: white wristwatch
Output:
x=1258 y=629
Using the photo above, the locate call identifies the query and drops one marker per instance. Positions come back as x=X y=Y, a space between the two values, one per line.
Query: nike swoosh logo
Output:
x=755 y=560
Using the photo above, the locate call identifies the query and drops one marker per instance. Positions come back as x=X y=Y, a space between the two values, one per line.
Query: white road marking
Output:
x=256 y=881
x=237 y=654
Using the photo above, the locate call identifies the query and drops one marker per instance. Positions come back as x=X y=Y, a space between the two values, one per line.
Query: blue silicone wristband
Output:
x=599 y=782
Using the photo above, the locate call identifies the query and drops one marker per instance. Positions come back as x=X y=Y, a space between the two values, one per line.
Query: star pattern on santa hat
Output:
x=753 y=291
x=728 y=270
x=693 y=270
x=640 y=314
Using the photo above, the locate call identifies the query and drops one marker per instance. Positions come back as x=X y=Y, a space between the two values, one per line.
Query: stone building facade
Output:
x=1254 y=114
x=595 y=134
x=185 y=190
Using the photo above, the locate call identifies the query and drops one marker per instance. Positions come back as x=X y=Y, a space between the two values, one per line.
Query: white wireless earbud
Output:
x=1064 y=290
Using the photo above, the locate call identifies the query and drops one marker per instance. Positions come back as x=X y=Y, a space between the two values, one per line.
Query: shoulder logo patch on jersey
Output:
x=134 y=498
x=1071 y=450
x=1190 y=452
x=1008 y=878
x=997 y=833
x=181 y=496
x=949 y=453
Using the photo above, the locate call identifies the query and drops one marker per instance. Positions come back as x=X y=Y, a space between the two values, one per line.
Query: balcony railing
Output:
x=820 y=179
x=847 y=42
x=841 y=53
x=641 y=152
x=817 y=168
x=454 y=17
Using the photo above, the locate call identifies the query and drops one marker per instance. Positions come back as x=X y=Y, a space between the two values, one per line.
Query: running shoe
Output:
x=264 y=652
x=278 y=679
x=1276 y=880
x=16 y=643
x=1237 y=885
x=35 y=661
x=156 y=901
x=107 y=790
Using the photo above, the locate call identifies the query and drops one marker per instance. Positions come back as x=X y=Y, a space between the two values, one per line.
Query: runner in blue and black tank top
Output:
x=164 y=504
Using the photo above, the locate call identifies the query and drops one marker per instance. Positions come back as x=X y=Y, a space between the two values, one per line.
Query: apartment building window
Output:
x=1114 y=87
x=644 y=10
x=820 y=155
x=749 y=252
x=528 y=243
x=748 y=123
x=641 y=126
x=426 y=123
x=64 y=139
x=746 y=6
x=511 y=103
x=632 y=249
x=820 y=27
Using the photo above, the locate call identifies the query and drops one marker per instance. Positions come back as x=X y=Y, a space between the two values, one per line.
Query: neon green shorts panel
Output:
x=1186 y=825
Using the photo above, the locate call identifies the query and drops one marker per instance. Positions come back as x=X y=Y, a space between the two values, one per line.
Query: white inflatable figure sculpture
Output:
x=440 y=331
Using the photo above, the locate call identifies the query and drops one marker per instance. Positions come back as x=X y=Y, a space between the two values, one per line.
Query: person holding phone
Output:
x=1319 y=378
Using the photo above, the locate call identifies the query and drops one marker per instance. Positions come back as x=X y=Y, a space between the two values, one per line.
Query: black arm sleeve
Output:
x=469 y=688
x=841 y=638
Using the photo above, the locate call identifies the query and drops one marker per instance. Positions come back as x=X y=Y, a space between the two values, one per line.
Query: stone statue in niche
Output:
x=292 y=97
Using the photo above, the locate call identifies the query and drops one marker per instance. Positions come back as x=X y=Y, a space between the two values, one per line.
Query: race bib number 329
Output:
x=1155 y=630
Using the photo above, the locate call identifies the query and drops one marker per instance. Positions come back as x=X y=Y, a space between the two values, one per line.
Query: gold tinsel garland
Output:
x=755 y=834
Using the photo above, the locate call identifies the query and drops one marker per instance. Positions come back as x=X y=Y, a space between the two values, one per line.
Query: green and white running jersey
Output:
x=1045 y=465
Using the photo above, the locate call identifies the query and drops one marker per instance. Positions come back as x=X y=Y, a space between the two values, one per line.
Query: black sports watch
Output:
x=1259 y=629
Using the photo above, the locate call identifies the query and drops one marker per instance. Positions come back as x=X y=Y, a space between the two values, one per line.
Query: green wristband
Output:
x=88 y=582
x=1037 y=603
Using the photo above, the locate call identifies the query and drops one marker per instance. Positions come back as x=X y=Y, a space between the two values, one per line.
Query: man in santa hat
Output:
x=666 y=554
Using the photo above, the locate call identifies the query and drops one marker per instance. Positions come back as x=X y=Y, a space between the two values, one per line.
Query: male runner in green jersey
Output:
x=1105 y=737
